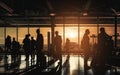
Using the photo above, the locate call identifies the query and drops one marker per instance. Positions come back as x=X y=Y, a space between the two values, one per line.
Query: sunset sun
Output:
x=72 y=34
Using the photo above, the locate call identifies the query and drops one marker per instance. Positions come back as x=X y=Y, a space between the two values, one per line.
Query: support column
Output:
x=97 y=25
x=52 y=29
x=16 y=32
x=78 y=32
x=63 y=32
x=48 y=44
x=115 y=32
x=4 y=34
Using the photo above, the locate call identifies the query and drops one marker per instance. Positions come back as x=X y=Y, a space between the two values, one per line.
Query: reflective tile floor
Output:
x=74 y=66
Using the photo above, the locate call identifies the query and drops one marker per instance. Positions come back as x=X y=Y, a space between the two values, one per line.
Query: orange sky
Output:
x=70 y=32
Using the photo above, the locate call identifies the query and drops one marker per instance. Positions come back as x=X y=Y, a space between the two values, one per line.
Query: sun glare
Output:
x=72 y=34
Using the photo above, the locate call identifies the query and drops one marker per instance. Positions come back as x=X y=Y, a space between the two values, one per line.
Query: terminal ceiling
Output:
x=15 y=11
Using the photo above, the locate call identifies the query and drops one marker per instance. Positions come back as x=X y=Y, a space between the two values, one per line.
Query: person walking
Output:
x=85 y=44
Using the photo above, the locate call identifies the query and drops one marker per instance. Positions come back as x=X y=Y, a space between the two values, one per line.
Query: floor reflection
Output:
x=76 y=67
x=71 y=65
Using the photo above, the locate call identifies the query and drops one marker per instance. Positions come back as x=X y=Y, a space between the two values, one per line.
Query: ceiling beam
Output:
x=6 y=7
x=115 y=12
x=50 y=6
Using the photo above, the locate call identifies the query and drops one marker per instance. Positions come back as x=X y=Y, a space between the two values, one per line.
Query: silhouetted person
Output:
x=26 y=46
x=102 y=53
x=58 y=46
x=39 y=47
x=18 y=53
x=85 y=45
x=110 y=48
x=14 y=50
x=103 y=38
x=7 y=45
x=7 y=50
x=33 y=47
x=1 y=51
x=67 y=45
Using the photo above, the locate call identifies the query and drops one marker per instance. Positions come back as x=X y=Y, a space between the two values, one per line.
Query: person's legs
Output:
x=85 y=60
x=86 y=57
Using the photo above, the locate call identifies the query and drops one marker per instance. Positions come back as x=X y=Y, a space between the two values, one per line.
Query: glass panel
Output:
x=118 y=41
x=1 y=36
x=72 y=34
x=21 y=34
x=45 y=31
x=32 y=32
x=11 y=31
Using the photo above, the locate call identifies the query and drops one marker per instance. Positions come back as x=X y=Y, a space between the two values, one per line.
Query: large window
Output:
x=2 y=36
x=32 y=31
x=72 y=34
x=45 y=31
x=67 y=29
x=11 y=31
x=21 y=33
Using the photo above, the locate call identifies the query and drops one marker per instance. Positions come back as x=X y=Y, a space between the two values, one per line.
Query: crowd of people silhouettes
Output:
x=102 y=51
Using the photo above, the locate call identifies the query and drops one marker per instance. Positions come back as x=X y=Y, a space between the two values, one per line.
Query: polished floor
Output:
x=72 y=65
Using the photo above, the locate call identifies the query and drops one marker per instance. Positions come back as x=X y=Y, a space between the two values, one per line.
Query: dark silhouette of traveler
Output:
x=103 y=39
x=110 y=49
x=15 y=58
x=7 y=45
x=67 y=46
x=85 y=45
x=18 y=54
x=102 y=52
x=26 y=46
x=58 y=46
x=1 y=53
x=39 y=47
x=7 y=50
x=14 y=50
x=32 y=47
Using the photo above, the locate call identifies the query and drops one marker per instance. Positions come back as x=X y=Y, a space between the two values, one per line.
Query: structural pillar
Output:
x=115 y=32
x=52 y=27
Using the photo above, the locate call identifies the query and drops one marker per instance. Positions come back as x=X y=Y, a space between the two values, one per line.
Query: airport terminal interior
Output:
x=59 y=37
